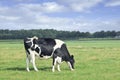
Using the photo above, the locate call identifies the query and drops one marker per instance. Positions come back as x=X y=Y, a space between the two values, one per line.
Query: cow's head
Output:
x=72 y=61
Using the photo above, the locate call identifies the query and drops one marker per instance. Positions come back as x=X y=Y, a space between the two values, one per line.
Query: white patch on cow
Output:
x=70 y=66
x=58 y=60
x=28 y=41
x=59 y=43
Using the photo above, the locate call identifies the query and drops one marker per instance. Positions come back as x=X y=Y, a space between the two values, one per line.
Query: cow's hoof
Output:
x=72 y=69
x=53 y=70
x=59 y=70
x=36 y=70
x=28 y=70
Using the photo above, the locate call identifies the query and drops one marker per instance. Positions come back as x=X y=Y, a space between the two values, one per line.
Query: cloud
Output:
x=47 y=7
x=3 y=9
x=113 y=3
x=80 y=5
x=53 y=7
x=10 y=18
x=84 y=6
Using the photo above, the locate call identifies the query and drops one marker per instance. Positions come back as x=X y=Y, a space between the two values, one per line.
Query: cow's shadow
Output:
x=45 y=68
x=31 y=69
x=16 y=68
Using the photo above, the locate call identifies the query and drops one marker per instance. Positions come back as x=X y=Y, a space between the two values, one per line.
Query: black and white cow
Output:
x=46 y=48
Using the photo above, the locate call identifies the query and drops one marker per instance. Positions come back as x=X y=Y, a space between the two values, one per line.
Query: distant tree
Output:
x=51 y=33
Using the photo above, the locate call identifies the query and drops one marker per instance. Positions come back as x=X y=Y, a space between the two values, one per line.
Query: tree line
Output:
x=51 y=33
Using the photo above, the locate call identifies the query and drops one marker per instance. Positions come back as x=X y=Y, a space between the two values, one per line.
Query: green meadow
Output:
x=94 y=60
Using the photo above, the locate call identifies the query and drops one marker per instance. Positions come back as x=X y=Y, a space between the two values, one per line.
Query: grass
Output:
x=95 y=60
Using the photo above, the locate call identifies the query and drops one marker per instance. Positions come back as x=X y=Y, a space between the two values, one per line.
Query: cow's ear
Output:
x=72 y=56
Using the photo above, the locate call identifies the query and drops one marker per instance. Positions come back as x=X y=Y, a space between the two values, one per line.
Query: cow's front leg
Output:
x=53 y=67
x=54 y=64
x=59 y=60
x=56 y=60
x=33 y=62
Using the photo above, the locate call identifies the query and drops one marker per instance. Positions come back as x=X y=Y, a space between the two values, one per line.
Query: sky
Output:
x=68 y=15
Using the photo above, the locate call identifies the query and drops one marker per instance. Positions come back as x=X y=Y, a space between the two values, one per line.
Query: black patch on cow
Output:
x=46 y=45
x=47 y=41
x=37 y=50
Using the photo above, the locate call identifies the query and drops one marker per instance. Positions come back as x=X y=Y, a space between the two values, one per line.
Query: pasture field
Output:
x=95 y=60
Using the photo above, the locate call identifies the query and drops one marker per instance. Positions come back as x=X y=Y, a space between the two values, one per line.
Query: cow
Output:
x=47 y=48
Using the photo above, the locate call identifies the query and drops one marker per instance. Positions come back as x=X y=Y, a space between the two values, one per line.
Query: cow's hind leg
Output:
x=27 y=61
x=33 y=61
